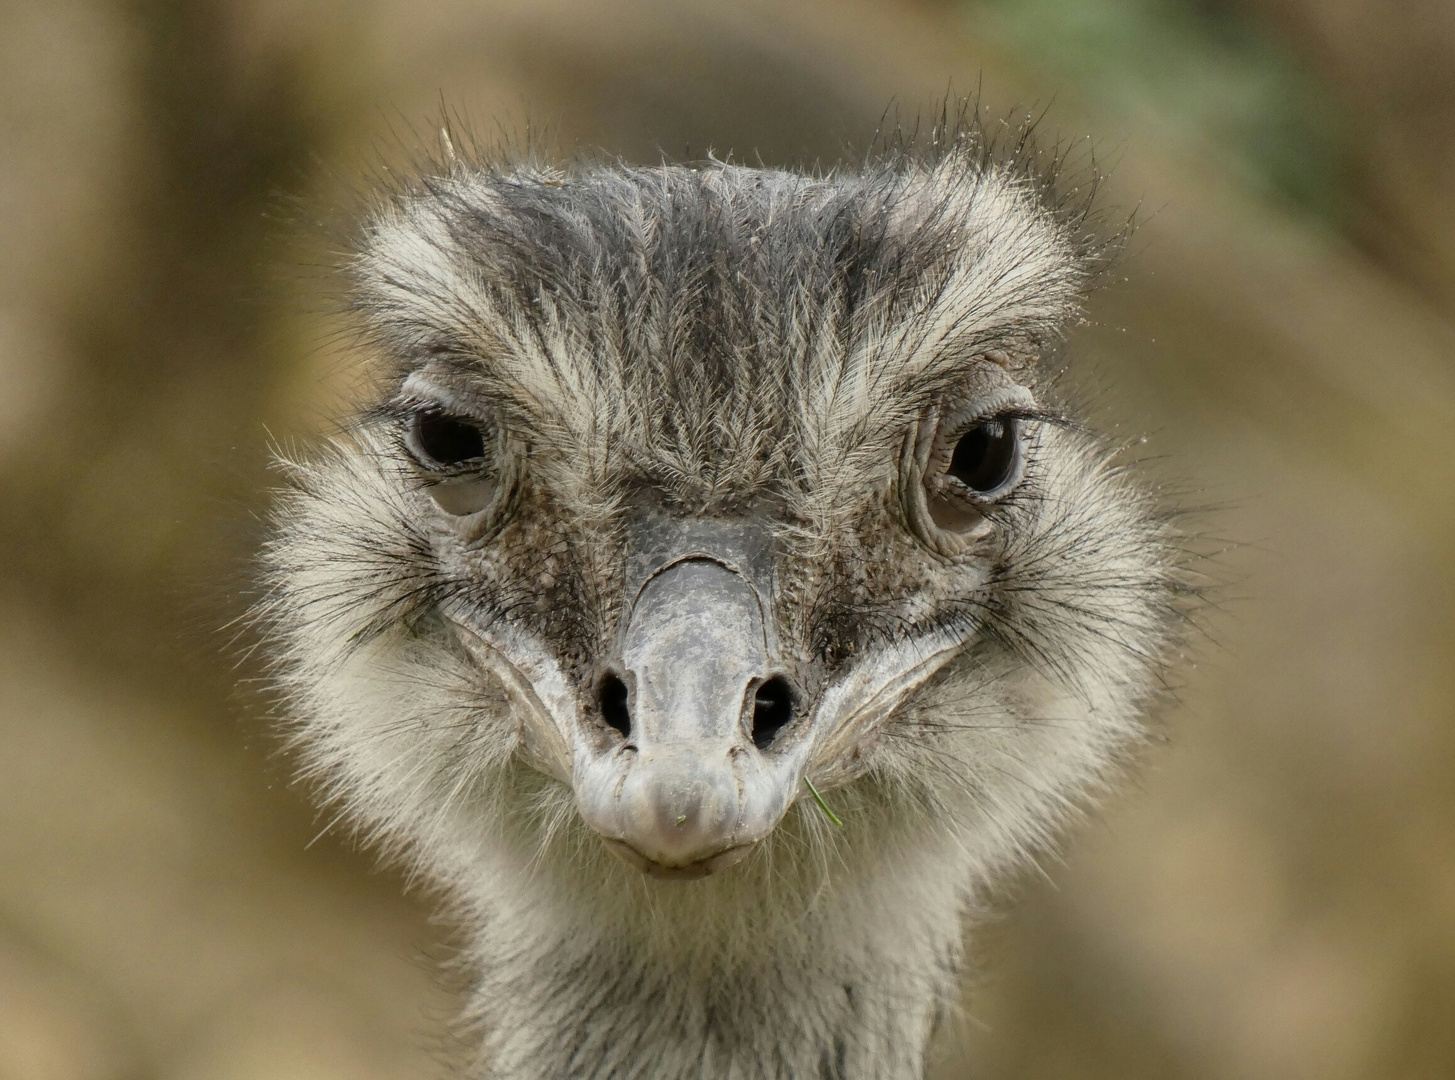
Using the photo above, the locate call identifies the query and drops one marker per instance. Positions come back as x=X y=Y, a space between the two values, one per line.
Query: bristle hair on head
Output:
x=857 y=293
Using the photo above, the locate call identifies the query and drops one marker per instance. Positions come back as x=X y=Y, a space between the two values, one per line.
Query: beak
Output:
x=697 y=692
x=687 y=791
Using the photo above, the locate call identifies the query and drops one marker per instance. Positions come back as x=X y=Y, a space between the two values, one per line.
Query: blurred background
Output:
x=1275 y=899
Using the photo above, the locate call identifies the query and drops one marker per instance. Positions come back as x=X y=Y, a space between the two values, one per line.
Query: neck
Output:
x=594 y=971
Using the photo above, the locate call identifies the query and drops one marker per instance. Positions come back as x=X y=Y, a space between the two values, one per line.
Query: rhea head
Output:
x=709 y=495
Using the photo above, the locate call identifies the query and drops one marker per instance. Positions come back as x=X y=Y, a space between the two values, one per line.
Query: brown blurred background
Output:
x=1276 y=899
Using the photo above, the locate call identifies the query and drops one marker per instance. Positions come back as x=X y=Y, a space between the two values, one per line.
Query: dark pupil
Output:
x=985 y=455
x=446 y=440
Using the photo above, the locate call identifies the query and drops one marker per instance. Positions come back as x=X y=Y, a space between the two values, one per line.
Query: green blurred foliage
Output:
x=1204 y=71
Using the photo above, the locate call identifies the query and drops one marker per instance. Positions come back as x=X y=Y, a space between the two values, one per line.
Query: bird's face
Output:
x=693 y=671
x=710 y=493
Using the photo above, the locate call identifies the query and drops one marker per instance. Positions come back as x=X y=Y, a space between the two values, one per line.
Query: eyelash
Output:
x=1024 y=416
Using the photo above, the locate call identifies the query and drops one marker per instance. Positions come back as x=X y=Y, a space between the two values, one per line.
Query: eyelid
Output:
x=1010 y=401
x=420 y=392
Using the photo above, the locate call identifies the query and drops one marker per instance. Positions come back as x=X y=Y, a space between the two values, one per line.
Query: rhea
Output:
x=716 y=601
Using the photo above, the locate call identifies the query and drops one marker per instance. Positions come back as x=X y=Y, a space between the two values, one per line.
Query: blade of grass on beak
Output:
x=821 y=804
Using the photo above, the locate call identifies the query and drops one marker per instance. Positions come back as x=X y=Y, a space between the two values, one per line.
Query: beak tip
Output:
x=690 y=871
x=678 y=812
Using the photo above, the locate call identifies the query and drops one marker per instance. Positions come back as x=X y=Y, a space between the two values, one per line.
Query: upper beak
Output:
x=688 y=791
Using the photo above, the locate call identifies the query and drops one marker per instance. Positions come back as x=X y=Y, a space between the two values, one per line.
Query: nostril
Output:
x=614 y=709
x=772 y=710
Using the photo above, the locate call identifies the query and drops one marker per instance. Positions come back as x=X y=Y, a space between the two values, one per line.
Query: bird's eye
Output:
x=440 y=441
x=987 y=456
x=454 y=450
x=955 y=468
